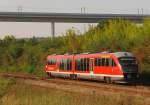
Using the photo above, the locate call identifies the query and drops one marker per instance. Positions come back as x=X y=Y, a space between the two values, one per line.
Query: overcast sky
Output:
x=43 y=29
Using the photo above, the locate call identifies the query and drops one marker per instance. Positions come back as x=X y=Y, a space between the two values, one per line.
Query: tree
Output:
x=15 y=52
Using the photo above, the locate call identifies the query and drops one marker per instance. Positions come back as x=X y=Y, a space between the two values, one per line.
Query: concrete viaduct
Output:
x=65 y=17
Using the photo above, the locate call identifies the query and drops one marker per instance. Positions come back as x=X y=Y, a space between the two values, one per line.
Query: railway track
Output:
x=86 y=87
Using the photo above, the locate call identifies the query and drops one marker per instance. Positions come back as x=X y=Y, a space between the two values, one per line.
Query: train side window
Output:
x=66 y=64
x=51 y=62
x=103 y=62
x=61 y=64
x=112 y=62
x=69 y=64
x=82 y=64
x=107 y=61
x=54 y=61
x=77 y=64
x=86 y=64
x=98 y=62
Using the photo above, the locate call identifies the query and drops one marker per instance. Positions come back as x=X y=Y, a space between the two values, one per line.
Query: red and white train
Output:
x=110 y=67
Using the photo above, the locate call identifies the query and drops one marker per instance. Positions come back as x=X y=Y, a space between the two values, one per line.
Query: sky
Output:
x=21 y=29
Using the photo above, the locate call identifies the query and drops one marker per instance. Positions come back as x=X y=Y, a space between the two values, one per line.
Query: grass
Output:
x=24 y=94
x=39 y=71
x=5 y=85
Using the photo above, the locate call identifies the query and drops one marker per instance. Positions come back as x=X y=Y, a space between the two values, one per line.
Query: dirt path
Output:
x=85 y=87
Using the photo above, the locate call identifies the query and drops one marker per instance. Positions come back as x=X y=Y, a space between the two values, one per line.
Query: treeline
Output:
x=29 y=55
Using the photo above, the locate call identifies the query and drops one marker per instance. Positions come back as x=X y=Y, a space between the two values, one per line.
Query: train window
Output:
x=69 y=64
x=61 y=64
x=87 y=64
x=77 y=64
x=104 y=62
x=82 y=64
x=98 y=61
x=112 y=62
x=127 y=61
x=107 y=61
x=65 y=64
x=51 y=62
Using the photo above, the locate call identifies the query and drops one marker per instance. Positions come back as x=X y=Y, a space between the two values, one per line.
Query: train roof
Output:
x=123 y=54
x=117 y=54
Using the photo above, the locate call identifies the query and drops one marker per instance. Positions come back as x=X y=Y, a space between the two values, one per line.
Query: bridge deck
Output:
x=65 y=17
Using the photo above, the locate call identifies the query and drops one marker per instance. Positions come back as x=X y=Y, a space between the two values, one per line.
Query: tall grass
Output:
x=23 y=94
x=5 y=85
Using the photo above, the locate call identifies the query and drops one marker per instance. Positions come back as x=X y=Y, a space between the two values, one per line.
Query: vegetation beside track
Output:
x=5 y=85
x=20 y=93
x=29 y=55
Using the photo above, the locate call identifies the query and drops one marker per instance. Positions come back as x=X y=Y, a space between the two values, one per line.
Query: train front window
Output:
x=127 y=61
x=129 y=64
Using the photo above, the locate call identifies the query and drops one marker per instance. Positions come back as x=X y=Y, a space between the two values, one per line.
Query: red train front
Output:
x=110 y=67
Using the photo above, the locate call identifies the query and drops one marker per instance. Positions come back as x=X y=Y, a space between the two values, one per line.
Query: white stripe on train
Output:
x=88 y=74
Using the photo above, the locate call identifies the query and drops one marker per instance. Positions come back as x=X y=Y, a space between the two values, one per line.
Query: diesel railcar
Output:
x=109 y=67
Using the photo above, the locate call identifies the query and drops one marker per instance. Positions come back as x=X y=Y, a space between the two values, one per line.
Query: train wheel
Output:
x=73 y=76
x=107 y=79
x=49 y=75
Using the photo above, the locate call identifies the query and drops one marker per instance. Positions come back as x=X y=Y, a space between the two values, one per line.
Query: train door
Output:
x=91 y=65
x=114 y=67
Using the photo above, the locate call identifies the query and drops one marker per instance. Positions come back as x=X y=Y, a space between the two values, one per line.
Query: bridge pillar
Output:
x=53 y=29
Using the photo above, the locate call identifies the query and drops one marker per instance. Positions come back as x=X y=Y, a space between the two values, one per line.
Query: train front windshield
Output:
x=129 y=64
